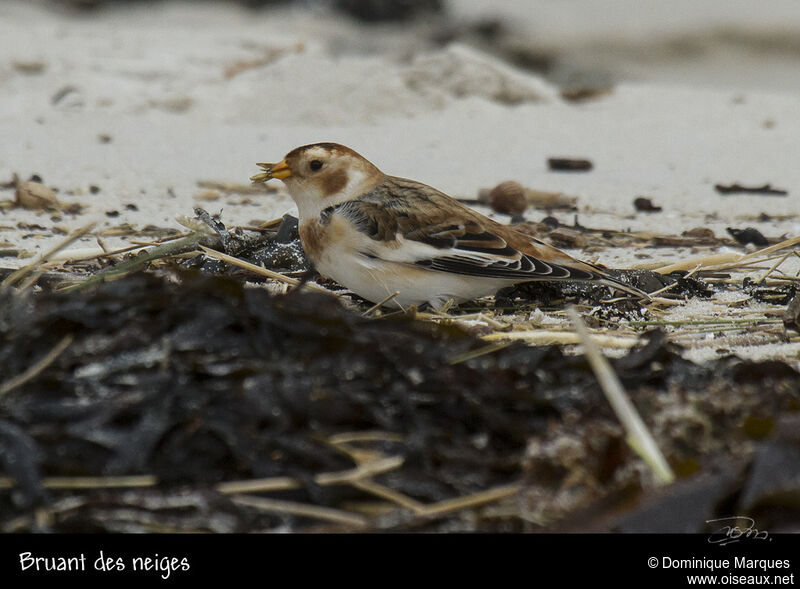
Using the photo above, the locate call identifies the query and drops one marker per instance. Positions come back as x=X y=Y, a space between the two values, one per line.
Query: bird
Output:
x=399 y=242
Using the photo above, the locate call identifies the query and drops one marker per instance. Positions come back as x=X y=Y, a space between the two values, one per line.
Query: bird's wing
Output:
x=411 y=223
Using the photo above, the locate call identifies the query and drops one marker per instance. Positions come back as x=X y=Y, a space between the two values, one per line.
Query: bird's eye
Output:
x=315 y=165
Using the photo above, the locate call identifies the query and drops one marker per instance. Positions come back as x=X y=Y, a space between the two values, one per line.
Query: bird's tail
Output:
x=580 y=270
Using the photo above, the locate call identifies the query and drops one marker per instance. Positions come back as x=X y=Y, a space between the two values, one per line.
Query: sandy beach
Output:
x=149 y=384
x=126 y=110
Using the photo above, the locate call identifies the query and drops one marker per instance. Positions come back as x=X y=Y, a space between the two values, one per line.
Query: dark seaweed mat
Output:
x=552 y=293
x=208 y=381
x=199 y=380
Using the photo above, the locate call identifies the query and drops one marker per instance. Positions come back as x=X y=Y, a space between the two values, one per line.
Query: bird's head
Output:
x=322 y=174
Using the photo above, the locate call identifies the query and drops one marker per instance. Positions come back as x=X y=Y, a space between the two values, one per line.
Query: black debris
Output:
x=645 y=205
x=766 y=189
x=383 y=11
x=564 y=164
x=748 y=235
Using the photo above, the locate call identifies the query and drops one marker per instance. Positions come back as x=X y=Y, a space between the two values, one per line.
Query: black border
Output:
x=361 y=559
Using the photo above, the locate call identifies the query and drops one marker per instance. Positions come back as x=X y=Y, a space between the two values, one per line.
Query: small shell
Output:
x=34 y=195
x=508 y=198
x=509 y=192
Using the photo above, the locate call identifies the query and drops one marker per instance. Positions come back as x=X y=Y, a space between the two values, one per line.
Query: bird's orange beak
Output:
x=281 y=170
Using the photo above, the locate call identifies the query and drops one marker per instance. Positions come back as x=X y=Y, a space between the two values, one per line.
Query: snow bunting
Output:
x=377 y=234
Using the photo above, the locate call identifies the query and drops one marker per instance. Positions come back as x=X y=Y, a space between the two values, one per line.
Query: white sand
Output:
x=166 y=83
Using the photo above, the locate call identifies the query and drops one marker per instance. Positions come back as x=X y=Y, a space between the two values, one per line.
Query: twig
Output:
x=482 y=351
x=113 y=482
x=468 y=501
x=258 y=485
x=747 y=339
x=466 y=317
x=742 y=265
x=773 y=268
x=36 y=367
x=639 y=437
x=265 y=226
x=544 y=337
x=15 y=277
x=369 y=469
x=363 y=471
x=109 y=253
x=730 y=260
x=261 y=270
x=377 y=306
x=701 y=261
x=125 y=267
x=489 y=320
x=448 y=304
x=774 y=248
x=302 y=510
x=704 y=322
x=370 y=436
x=673 y=285
x=664 y=289
x=389 y=494
x=167 y=238
x=34 y=277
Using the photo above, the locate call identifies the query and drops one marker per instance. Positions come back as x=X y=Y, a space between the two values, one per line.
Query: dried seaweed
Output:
x=279 y=250
x=236 y=410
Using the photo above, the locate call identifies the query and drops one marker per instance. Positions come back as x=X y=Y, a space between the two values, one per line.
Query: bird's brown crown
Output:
x=333 y=148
